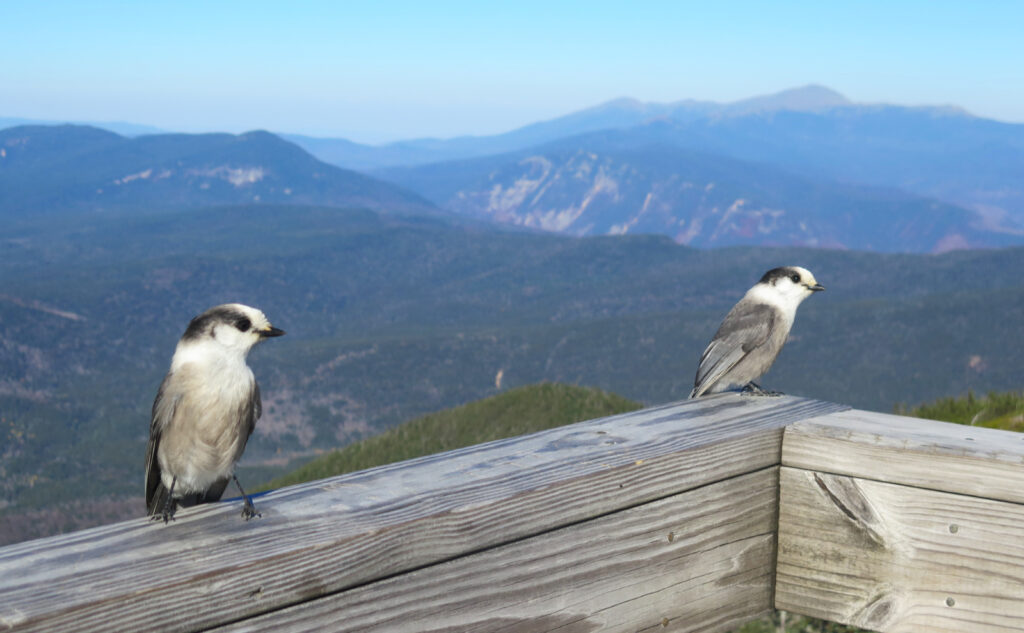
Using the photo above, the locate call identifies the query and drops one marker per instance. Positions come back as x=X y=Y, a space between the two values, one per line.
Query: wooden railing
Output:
x=900 y=524
x=696 y=516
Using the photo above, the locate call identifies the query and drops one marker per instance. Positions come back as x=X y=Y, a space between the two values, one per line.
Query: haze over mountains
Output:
x=118 y=127
x=617 y=114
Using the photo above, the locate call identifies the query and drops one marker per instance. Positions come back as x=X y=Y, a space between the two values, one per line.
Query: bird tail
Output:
x=157 y=499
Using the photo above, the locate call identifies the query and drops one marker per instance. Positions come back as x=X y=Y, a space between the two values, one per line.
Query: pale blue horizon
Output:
x=398 y=70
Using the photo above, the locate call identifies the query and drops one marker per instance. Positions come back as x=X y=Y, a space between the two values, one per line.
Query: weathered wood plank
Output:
x=936 y=455
x=898 y=559
x=701 y=560
x=210 y=567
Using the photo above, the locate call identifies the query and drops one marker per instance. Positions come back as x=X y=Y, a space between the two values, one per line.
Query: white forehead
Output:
x=255 y=315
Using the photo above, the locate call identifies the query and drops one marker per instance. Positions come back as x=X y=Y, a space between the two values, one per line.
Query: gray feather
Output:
x=747 y=327
x=163 y=411
x=254 y=409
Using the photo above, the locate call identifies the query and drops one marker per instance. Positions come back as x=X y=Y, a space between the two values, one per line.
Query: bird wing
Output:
x=164 y=406
x=744 y=329
x=254 y=409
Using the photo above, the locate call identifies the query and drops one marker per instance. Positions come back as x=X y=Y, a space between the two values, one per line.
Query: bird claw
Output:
x=754 y=389
x=164 y=516
x=170 y=506
x=248 y=509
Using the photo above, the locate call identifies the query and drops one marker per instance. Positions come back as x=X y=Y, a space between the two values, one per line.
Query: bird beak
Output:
x=272 y=332
x=816 y=288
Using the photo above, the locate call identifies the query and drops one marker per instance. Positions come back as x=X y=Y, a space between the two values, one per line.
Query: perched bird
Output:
x=753 y=333
x=205 y=411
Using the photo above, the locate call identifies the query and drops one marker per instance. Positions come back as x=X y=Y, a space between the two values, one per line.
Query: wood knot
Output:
x=847 y=497
x=879 y=612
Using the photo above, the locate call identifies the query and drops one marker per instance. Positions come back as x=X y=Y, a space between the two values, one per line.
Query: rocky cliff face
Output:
x=695 y=198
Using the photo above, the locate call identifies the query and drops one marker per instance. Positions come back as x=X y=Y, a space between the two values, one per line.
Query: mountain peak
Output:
x=803 y=99
x=622 y=103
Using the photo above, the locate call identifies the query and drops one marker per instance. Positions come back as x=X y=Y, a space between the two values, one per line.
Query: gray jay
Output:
x=204 y=412
x=753 y=333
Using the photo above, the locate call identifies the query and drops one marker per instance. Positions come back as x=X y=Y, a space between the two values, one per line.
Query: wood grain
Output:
x=896 y=558
x=696 y=561
x=210 y=567
x=911 y=451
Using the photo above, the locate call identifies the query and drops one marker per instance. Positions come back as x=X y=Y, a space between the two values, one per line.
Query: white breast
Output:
x=209 y=428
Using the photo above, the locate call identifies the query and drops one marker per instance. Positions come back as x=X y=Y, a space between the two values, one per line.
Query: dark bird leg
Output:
x=170 y=505
x=248 y=510
x=754 y=389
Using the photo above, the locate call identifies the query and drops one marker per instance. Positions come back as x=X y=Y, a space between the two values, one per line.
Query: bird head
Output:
x=235 y=326
x=792 y=284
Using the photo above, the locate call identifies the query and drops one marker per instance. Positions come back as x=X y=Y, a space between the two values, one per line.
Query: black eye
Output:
x=795 y=278
x=243 y=324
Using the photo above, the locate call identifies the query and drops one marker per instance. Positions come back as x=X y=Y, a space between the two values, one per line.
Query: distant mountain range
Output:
x=802 y=167
x=118 y=127
x=49 y=169
x=617 y=114
x=940 y=157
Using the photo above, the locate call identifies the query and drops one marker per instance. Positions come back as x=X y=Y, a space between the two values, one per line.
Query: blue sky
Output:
x=375 y=71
